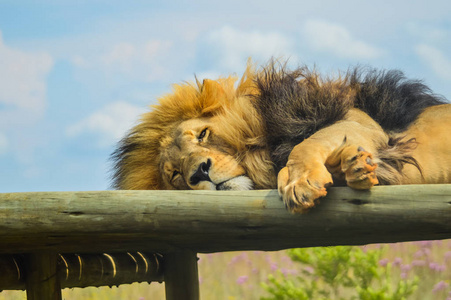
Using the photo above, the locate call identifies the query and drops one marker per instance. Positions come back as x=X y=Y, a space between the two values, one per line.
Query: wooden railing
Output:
x=51 y=240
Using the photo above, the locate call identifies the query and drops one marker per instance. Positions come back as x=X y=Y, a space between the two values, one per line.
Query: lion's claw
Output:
x=359 y=170
x=301 y=186
x=301 y=194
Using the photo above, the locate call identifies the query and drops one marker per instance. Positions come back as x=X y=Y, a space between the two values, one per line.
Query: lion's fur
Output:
x=268 y=112
x=295 y=104
x=137 y=157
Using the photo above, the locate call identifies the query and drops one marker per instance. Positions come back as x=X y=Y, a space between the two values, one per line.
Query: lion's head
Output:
x=201 y=136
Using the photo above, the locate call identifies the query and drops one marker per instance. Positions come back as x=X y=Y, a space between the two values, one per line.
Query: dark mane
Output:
x=125 y=148
x=295 y=104
x=390 y=98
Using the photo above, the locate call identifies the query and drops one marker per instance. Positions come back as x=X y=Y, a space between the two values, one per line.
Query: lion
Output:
x=293 y=130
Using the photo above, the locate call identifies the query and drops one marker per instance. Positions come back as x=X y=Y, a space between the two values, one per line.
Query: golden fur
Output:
x=229 y=114
x=210 y=135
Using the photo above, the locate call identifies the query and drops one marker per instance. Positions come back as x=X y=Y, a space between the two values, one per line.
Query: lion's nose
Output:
x=201 y=174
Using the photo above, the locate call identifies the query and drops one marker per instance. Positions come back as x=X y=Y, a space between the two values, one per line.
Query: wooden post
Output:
x=181 y=277
x=42 y=281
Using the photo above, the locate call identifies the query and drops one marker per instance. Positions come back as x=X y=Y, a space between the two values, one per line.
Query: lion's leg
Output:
x=337 y=150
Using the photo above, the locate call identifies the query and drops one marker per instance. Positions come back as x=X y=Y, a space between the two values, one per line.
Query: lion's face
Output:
x=195 y=156
x=201 y=136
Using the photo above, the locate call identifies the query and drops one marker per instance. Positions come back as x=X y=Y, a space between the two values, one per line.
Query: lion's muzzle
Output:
x=201 y=174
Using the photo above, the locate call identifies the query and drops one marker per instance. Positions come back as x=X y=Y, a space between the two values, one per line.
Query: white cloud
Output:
x=234 y=46
x=80 y=61
x=139 y=59
x=435 y=59
x=122 y=54
x=336 y=39
x=110 y=123
x=427 y=32
x=22 y=85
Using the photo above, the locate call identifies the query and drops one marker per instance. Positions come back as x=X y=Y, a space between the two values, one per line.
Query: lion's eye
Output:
x=174 y=174
x=202 y=134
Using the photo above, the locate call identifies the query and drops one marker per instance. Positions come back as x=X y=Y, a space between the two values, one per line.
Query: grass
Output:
x=238 y=275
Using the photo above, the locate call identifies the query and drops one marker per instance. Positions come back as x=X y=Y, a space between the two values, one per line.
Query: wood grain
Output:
x=210 y=221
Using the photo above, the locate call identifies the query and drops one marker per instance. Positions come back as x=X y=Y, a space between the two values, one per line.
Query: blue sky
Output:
x=75 y=75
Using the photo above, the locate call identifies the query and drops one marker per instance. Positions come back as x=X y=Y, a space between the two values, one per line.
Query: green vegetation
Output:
x=340 y=273
x=369 y=272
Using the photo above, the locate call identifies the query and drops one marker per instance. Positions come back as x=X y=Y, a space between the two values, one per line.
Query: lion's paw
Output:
x=300 y=191
x=359 y=168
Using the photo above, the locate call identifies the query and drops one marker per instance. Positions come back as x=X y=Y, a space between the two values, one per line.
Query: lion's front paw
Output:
x=359 y=168
x=300 y=190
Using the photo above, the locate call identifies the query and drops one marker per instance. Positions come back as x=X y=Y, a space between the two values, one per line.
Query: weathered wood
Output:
x=42 y=280
x=181 y=277
x=83 y=270
x=12 y=275
x=211 y=221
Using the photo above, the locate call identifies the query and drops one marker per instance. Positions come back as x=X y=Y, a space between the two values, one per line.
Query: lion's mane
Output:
x=137 y=157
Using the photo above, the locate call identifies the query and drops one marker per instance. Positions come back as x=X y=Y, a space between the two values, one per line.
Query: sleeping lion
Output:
x=292 y=130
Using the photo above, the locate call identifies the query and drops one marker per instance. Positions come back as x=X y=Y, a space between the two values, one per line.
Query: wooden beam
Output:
x=84 y=270
x=212 y=221
x=42 y=279
x=181 y=277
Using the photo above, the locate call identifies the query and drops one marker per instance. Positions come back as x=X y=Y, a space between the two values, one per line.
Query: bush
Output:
x=339 y=273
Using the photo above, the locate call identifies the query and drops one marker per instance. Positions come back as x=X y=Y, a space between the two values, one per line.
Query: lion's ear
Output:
x=213 y=95
x=212 y=88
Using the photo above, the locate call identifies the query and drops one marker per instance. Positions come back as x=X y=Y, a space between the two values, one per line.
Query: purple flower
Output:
x=237 y=258
x=418 y=263
x=383 y=262
x=406 y=268
x=274 y=266
x=242 y=279
x=418 y=254
x=425 y=244
x=436 y=267
x=286 y=271
x=441 y=268
x=397 y=261
x=440 y=286
x=286 y=259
